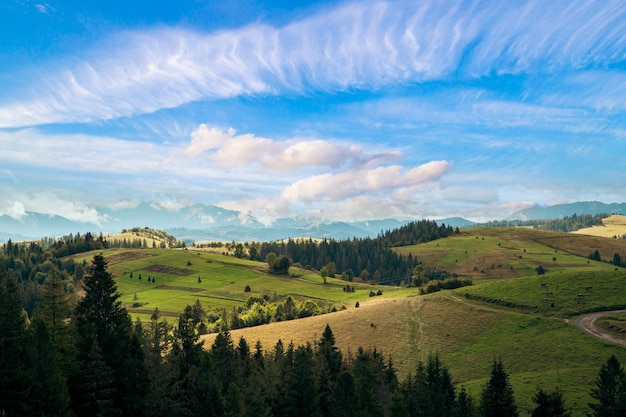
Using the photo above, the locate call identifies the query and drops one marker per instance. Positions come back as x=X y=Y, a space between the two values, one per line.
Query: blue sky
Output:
x=325 y=110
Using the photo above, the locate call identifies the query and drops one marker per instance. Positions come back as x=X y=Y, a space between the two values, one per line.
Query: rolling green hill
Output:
x=183 y=276
x=510 y=313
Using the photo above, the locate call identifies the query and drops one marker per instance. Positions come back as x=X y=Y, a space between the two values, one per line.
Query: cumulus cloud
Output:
x=353 y=183
x=361 y=45
x=227 y=149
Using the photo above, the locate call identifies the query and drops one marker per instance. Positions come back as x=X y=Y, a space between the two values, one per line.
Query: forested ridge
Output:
x=373 y=255
x=92 y=360
x=566 y=224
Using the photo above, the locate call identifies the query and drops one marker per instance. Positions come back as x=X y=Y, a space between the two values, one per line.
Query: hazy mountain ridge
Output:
x=205 y=222
x=560 y=211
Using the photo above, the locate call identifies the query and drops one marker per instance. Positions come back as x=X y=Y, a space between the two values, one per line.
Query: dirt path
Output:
x=586 y=323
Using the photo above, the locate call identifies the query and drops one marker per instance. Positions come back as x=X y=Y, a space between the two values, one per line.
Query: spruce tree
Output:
x=497 y=397
x=16 y=367
x=610 y=390
x=549 y=404
x=50 y=396
x=101 y=320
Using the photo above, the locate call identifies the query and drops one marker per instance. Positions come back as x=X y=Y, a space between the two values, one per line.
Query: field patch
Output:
x=125 y=256
x=178 y=288
x=166 y=269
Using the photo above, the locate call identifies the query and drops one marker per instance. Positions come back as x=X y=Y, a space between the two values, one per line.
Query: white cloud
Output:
x=348 y=184
x=363 y=45
x=227 y=149
x=14 y=209
x=170 y=204
x=47 y=203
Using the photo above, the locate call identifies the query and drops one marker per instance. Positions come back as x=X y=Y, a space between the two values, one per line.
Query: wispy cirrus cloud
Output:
x=364 y=45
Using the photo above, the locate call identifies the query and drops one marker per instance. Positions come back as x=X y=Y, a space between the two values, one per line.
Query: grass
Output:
x=562 y=294
x=222 y=282
x=536 y=351
x=614 y=324
x=508 y=314
x=614 y=225
x=495 y=253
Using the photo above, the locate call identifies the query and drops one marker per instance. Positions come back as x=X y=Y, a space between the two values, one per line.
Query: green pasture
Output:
x=222 y=282
x=482 y=253
x=562 y=294
x=537 y=351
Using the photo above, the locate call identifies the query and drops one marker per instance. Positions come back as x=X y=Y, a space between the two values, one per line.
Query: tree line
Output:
x=369 y=257
x=566 y=224
x=92 y=360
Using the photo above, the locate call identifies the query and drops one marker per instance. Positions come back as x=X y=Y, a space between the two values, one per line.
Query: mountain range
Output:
x=211 y=223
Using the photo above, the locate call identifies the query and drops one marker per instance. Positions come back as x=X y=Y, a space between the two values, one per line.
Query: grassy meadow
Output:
x=183 y=276
x=510 y=313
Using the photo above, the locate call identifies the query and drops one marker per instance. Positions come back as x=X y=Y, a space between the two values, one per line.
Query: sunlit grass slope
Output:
x=614 y=225
x=183 y=276
x=537 y=351
x=483 y=253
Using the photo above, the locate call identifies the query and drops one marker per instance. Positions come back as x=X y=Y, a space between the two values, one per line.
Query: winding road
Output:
x=586 y=323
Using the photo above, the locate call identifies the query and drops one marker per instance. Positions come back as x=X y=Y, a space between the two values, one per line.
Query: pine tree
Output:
x=497 y=397
x=101 y=319
x=53 y=310
x=549 y=404
x=50 y=396
x=93 y=392
x=610 y=390
x=465 y=406
x=16 y=369
x=157 y=342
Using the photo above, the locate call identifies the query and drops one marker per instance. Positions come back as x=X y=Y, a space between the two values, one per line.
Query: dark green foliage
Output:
x=549 y=404
x=617 y=260
x=497 y=396
x=157 y=343
x=102 y=321
x=428 y=392
x=281 y=265
x=566 y=224
x=16 y=369
x=50 y=396
x=446 y=284
x=610 y=390
x=359 y=254
x=465 y=406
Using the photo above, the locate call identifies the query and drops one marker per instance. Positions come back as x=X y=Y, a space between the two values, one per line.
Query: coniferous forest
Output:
x=92 y=360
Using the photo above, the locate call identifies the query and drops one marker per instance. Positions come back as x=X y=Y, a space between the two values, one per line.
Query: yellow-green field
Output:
x=614 y=225
x=537 y=351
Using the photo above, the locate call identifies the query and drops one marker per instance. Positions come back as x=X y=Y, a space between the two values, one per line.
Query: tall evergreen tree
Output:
x=157 y=342
x=50 y=396
x=53 y=310
x=549 y=404
x=101 y=319
x=497 y=397
x=609 y=392
x=16 y=370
